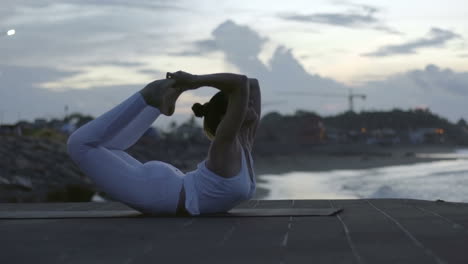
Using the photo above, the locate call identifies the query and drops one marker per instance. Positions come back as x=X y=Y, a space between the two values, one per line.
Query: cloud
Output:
x=23 y=98
x=337 y=19
x=119 y=63
x=435 y=38
x=387 y=29
x=433 y=78
x=141 y=4
x=282 y=71
x=363 y=17
x=241 y=46
x=442 y=90
x=199 y=48
x=11 y=6
x=67 y=34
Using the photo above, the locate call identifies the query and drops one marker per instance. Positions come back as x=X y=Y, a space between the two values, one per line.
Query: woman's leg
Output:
x=98 y=149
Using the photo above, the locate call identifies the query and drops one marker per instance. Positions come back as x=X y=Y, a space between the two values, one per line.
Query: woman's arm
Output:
x=224 y=156
x=236 y=86
x=252 y=118
x=256 y=99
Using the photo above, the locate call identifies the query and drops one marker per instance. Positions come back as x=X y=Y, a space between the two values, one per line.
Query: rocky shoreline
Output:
x=38 y=170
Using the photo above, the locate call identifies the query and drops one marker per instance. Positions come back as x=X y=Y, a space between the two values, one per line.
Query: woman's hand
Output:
x=183 y=80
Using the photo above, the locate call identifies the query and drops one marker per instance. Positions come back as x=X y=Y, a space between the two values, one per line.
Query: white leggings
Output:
x=98 y=148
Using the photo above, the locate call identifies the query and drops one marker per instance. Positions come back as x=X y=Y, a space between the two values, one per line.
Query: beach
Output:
x=325 y=158
x=336 y=158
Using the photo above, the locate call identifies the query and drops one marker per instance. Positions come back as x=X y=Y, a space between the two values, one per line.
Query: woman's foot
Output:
x=162 y=94
x=169 y=100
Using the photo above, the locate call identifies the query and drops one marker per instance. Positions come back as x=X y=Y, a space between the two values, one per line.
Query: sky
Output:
x=307 y=55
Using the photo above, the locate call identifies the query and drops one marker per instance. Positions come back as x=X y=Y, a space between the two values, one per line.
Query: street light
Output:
x=11 y=32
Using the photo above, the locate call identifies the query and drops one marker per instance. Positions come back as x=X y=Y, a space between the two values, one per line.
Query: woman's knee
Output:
x=77 y=145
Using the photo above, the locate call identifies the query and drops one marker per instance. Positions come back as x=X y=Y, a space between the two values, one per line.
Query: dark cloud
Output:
x=364 y=16
x=151 y=72
x=199 y=48
x=143 y=4
x=435 y=38
x=20 y=92
x=10 y=9
x=433 y=78
x=442 y=90
x=387 y=29
x=21 y=95
x=84 y=38
x=126 y=64
x=242 y=46
x=337 y=19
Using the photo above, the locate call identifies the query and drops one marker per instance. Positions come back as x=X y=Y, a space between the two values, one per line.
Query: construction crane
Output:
x=351 y=96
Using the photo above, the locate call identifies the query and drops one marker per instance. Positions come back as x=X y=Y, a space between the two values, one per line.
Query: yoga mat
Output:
x=236 y=212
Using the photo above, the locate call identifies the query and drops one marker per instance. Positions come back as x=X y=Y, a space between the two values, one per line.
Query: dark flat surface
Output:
x=366 y=231
x=114 y=209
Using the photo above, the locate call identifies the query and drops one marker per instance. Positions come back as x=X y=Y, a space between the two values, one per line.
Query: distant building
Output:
x=384 y=136
x=40 y=123
x=68 y=128
x=427 y=135
x=334 y=135
x=11 y=130
x=312 y=130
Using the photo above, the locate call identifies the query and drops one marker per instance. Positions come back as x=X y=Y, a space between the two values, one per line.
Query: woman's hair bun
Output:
x=200 y=110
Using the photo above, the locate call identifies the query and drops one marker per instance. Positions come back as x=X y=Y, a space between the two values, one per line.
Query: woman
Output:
x=223 y=180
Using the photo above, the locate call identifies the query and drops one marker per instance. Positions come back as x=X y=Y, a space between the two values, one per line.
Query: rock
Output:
x=21 y=163
x=39 y=170
x=4 y=181
x=22 y=182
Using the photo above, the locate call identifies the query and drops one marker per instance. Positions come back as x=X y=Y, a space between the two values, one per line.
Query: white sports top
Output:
x=207 y=192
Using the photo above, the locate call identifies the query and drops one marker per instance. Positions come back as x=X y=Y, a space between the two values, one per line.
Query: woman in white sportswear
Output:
x=221 y=181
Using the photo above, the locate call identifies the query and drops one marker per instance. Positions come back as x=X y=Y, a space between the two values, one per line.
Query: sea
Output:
x=438 y=180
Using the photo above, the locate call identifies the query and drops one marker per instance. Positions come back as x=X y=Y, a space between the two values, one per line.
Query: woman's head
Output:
x=213 y=112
